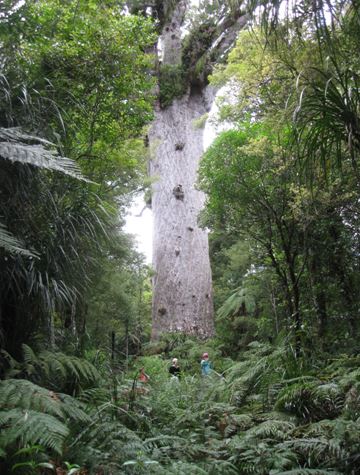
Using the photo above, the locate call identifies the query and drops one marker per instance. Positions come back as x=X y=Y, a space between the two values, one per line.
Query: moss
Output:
x=200 y=122
x=195 y=56
x=172 y=84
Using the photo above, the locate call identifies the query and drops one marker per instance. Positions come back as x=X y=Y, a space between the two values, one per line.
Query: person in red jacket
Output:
x=143 y=377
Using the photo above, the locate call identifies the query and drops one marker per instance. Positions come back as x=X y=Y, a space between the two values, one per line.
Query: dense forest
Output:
x=82 y=84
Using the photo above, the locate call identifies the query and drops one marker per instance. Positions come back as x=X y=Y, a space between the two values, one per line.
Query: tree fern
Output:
x=240 y=298
x=261 y=367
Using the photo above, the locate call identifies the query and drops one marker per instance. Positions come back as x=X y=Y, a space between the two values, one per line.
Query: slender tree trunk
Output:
x=182 y=290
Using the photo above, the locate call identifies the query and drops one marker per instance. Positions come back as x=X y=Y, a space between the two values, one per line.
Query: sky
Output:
x=139 y=223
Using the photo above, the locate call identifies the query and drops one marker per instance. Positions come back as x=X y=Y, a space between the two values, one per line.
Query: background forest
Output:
x=77 y=93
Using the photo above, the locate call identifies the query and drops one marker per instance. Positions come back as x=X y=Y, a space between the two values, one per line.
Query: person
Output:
x=205 y=365
x=174 y=369
x=143 y=377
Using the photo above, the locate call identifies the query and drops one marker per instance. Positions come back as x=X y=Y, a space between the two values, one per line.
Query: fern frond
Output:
x=25 y=395
x=349 y=378
x=15 y=147
x=107 y=439
x=95 y=396
x=319 y=448
x=56 y=370
x=273 y=429
x=31 y=427
x=12 y=244
x=29 y=355
x=308 y=471
x=242 y=297
x=73 y=409
x=311 y=401
x=71 y=366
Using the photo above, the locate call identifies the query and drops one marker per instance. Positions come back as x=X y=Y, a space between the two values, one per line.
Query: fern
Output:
x=276 y=430
x=311 y=401
x=33 y=415
x=240 y=298
x=314 y=450
x=53 y=370
x=12 y=244
x=261 y=457
x=25 y=395
x=106 y=439
x=31 y=427
x=17 y=146
x=307 y=471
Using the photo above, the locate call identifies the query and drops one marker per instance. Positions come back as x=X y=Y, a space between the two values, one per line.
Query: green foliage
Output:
x=33 y=427
x=56 y=371
x=23 y=148
x=11 y=244
x=206 y=425
x=240 y=301
x=271 y=181
x=283 y=397
x=311 y=401
x=76 y=76
x=195 y=51
x=22 y=394
x=34 y=415
x=172 y=83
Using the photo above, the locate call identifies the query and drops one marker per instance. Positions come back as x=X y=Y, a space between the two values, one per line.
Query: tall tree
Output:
x=302 y=216
x=182 y=299
x=74 y=73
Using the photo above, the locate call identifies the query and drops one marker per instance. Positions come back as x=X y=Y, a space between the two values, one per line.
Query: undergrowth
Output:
x=267 y=413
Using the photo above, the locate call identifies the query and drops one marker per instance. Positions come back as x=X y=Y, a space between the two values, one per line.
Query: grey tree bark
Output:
x=182 y=289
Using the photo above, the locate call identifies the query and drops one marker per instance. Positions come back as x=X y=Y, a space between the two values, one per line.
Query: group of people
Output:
x=205 y=365
x=175 y=371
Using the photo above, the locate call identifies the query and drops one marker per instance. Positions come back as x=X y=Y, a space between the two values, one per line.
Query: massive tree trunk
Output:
x=182 y=290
